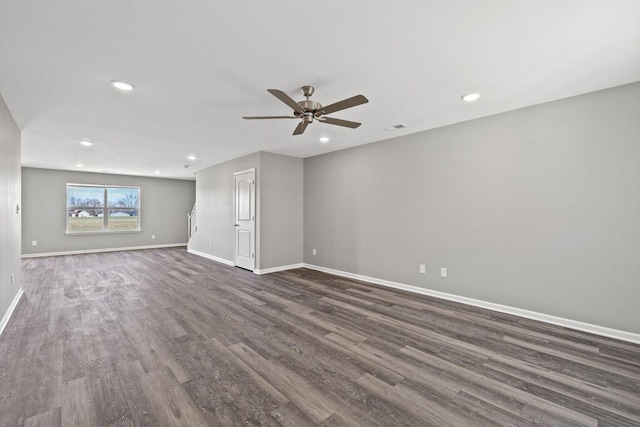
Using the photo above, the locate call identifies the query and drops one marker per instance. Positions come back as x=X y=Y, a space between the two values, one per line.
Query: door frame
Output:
x=255 y=215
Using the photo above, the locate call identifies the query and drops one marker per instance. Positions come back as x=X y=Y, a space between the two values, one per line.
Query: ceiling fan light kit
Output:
x=308 y=111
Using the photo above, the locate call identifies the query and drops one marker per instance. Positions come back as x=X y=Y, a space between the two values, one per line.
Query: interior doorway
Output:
x=245 y=219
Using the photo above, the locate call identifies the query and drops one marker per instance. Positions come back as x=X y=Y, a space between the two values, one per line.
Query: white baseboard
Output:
x=554 y=320
x=276 y=269
x=232 y=264
x=93 y=251
x=12 y=307
x=211 y=257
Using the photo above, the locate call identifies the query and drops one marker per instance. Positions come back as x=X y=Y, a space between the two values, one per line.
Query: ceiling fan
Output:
x=308 y=110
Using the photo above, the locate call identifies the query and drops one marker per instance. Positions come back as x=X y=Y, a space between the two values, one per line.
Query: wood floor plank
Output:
x=109 y=400
x=289 y=415
x=522 y=396
x=162 y=337
x=569 y=383
x=77 y=407
x=593 y=397
x=171 y=404
x=51 y=418
x=620 y=368
x=337 y=350
x=433 y=413
x=316 y=406
x=140 y=406
x=265 y=385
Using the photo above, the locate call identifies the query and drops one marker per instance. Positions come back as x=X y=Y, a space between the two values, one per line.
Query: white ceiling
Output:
x=200 y=65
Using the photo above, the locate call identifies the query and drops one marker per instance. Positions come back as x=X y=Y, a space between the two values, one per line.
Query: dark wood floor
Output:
x=162 y=338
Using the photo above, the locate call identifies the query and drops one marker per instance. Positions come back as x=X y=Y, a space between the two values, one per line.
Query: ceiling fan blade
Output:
x=268 y=117
x=338 y=122
x=345 y=103
x=287 y=100
x=300 y=128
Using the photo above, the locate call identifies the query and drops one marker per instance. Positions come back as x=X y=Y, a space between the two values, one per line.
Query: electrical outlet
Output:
x=314 y=252
x=443 y=272
x=209 y=243
x=34 y=243
x=423 y=268
x=153 y=237
x=13 y=279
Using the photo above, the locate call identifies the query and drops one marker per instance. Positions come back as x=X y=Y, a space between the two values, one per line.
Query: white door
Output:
x=245 y=219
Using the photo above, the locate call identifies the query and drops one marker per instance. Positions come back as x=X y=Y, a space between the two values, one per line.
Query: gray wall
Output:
x=9 y=198
x=537 y=208
x=281 y=202
x=278 y=207
x=164 y=204
x=215 y=207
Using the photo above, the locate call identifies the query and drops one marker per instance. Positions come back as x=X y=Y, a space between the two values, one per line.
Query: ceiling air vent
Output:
x=396 y=127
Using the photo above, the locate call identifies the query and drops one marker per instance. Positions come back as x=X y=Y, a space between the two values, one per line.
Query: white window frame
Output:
x=105 y=209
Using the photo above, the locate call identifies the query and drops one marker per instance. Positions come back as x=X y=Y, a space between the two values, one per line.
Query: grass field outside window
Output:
x=79 y=225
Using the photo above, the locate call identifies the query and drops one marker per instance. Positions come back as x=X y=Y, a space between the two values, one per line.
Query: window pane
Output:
x=82 y=197
x=85 y=220
x=123 y=197
x=86 y=210
x=123 y=219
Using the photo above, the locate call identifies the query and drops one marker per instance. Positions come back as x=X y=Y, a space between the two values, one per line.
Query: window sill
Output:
x=84 y=233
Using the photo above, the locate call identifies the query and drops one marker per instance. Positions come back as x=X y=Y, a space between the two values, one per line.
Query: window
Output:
x=102 y=208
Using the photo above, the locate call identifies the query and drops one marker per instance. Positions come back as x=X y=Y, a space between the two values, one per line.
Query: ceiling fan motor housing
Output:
x=310 y=107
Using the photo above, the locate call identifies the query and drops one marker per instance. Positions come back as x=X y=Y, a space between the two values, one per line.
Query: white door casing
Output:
x=245 y=219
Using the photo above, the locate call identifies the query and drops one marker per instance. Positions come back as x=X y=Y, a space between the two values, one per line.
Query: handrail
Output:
x=192 y=226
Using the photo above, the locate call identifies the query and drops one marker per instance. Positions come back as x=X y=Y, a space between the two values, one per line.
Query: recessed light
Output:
x=469 y=97
x=87 y=143
x=324 y=139
x=157 y=172
x=191 y=158
x=119 y=84
x=79 y=165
